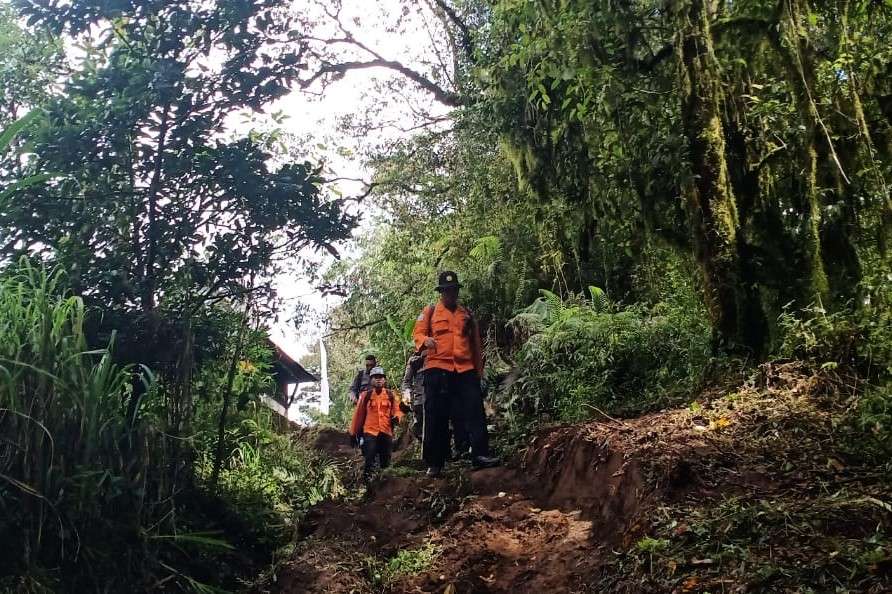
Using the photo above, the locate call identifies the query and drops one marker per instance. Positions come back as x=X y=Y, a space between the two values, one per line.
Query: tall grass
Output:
x=86 y=503
x=70 y=462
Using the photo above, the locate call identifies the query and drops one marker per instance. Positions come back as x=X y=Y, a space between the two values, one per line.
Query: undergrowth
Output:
x=97 y=495
x=270 y=479
x=777 y=545
x=584 y=357
x=855 y=344
x=407 y=562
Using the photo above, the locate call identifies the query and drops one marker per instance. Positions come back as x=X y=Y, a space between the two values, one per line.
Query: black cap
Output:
x=448 y=280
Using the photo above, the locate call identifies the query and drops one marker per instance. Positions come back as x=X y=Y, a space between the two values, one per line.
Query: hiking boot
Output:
x=485 y=462
x=434 y=472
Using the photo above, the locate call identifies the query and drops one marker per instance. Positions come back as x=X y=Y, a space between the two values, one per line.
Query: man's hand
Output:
x=353 y=398
x=394 y=422
x=354 y=441
x=430 y=343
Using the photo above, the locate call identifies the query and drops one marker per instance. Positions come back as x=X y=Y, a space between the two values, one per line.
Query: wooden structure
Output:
x=287 y=371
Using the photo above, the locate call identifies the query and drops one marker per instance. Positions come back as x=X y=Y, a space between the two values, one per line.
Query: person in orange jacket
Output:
x=453 y=370
x=376 y=415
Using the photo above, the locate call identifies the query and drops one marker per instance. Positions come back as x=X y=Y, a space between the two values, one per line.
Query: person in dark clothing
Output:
x=376 y=416
x=363 y=379
x=453 y=370
x=412 y=387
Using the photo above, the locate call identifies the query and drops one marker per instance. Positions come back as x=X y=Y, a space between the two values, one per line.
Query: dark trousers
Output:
x=376 y=446
x=449 y=395
x=418 y=421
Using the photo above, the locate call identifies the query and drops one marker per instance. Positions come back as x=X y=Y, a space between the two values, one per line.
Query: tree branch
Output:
x=465 y=39
x=442 y=95
x=355 y=327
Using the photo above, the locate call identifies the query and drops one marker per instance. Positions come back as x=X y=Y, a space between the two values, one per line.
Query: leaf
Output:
x=205 y=539
x=408 y=328
x=15 y=128
x=882 y=504
x=23 y=184
x=720 y=423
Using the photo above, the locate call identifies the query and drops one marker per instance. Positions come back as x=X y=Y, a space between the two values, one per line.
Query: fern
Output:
x=600 y=302
x=487 y=250
x=554 y=304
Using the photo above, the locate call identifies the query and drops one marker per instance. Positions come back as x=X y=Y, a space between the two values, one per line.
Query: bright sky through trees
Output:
x=358 y=95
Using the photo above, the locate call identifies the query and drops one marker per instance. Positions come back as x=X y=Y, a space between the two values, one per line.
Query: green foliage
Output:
x=651 y=545
x=855 y=342
x=269 y=479
x=157 y=209
x=774 y=543
x=405 y=563
x=73 y=469
x=817 y=335
x=83 y=486
x=31 y=66
x=592 y=110
x=587 y=356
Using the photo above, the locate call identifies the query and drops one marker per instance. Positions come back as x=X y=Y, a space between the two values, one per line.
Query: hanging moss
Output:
x=710 y=196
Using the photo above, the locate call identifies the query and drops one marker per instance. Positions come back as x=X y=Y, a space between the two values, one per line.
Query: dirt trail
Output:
x=577 y=510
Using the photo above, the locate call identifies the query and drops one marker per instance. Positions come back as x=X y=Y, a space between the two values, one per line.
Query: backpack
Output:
x=389 y=395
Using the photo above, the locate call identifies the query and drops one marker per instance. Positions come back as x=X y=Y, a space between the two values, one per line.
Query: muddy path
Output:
x=544 y=521
x=613 y=506
x=509 y=529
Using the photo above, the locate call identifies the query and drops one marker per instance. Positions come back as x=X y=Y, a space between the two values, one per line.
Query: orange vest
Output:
x=457 y=337
x=374 y=411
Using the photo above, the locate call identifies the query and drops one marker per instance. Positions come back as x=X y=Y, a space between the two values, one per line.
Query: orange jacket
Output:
x=374 y=411
x=457 y=336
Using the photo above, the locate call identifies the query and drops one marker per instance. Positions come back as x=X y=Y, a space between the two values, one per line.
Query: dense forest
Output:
x=669 y=217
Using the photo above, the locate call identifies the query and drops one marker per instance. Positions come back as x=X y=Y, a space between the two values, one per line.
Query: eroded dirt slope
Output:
x=747 y=492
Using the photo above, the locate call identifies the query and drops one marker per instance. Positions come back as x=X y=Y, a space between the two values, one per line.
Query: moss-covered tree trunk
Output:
x=791 y=42
x=709 y=194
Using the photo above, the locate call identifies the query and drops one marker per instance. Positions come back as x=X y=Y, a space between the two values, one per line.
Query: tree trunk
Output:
x=227 y=396
x=710 y=197
x=791 y=43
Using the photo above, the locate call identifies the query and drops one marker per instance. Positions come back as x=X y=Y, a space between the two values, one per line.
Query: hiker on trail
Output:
x=413 y=388
x=453 y=369
x=376 y=416
x=363 y=379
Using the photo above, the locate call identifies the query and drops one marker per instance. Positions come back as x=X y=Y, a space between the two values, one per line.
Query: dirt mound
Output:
x=332 y=442
x=339 y=537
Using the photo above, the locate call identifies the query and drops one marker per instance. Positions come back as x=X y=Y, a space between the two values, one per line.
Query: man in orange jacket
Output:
x=377 y=414
x=453 y=368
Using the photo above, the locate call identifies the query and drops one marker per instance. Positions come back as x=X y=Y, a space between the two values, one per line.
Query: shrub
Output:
x=587 y=354
x=855 y=341
x=269 y=479
x=87 y=502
